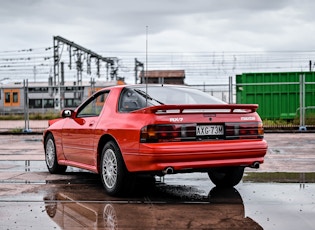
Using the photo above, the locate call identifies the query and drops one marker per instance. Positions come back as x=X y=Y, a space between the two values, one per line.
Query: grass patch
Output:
x=280 y=177
x=32 y=116
x=16 y=130
x=309 y=120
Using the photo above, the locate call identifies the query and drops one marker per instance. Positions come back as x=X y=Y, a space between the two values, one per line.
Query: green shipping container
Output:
x=277 y=94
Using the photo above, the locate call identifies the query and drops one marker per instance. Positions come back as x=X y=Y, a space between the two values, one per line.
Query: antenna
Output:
x=146 y=66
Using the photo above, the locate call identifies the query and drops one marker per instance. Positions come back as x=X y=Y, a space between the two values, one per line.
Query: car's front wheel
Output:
x=51 y=156
x=226 y=176
x=114 y=174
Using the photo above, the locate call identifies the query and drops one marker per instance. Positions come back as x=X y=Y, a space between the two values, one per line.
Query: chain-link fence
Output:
x=281 y=108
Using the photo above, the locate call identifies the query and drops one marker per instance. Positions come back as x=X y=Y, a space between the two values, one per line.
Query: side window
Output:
x=129 y=101
x=94 y=106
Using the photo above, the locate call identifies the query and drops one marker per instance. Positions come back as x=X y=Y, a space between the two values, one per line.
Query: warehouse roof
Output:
x=163 y=73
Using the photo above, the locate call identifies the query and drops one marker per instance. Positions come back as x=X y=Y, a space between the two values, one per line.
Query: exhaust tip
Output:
x=168 y=170
x=255 y=165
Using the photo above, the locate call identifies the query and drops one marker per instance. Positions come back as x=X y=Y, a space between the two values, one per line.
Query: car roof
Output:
x=143 y=85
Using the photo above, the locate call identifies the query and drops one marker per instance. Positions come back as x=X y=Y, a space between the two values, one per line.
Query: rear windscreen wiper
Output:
x=147 y=96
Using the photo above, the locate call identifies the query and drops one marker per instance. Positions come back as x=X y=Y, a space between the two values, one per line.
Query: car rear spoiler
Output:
x=197 y=108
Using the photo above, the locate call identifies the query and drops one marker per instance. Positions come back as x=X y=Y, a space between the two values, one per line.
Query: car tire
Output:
x=50 y=205
x=51 y=156
x=226 y=176
x=114 y=174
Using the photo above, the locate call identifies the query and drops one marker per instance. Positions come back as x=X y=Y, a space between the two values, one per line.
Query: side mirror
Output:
x=67 y=113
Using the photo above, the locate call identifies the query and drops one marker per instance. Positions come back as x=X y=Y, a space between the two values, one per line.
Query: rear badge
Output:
x=247 y=118
x=176 y=119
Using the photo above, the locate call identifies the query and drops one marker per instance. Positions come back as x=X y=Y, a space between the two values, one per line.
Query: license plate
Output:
x=205 y=130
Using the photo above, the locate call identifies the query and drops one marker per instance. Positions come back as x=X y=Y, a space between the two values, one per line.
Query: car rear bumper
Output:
x=195 y=156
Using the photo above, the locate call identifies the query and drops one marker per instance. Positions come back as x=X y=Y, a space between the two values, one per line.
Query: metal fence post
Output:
x=302 y=103
x=26 y=109
x=230 y=90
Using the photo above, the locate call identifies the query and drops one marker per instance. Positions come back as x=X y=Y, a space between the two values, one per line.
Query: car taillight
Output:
x=187 y=132
x=166 y=133
x=245 y=130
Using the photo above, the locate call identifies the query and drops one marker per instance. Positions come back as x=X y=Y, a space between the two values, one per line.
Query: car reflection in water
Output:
x=224 y=209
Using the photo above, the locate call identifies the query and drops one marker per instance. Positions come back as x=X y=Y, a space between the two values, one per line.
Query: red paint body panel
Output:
x=78 y=139
x=207 y=154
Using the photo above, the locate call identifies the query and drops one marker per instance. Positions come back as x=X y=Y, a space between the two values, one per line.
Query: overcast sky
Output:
x=173 y=25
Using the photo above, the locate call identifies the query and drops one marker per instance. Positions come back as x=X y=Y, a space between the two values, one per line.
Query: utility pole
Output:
x=92 y=81
x=34 y=71
x=138 y=65
x=80 y=54
x=62 y=88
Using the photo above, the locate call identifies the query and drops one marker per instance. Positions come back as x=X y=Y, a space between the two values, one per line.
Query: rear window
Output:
x=137 y=97
x=181 y=95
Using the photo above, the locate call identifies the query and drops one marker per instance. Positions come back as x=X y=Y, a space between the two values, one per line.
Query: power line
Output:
x=201 y=66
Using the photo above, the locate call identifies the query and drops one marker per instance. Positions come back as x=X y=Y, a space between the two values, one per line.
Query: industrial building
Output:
x=40 y=97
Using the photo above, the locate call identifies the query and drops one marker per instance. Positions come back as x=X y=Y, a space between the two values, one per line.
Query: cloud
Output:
x=118 y=28
x=109 y=25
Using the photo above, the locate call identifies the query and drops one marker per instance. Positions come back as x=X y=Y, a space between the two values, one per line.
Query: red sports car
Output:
x=122 y=131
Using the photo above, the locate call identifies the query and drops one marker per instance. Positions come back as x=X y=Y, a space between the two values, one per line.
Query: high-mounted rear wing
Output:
x=200 y=108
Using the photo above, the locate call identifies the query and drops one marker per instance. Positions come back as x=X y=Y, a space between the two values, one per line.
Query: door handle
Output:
x=91 y=123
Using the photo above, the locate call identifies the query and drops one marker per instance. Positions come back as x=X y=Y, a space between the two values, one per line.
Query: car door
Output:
x=78 y=132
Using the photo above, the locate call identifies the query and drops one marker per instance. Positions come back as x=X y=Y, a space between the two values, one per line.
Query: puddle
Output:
x=30 y=166
x=221 y=213
x=26 y=165
x=22 y=182
x=33 y=139
x=251 y=206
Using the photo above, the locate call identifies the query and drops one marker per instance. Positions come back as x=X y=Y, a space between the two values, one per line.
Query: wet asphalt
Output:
x=279 y=195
